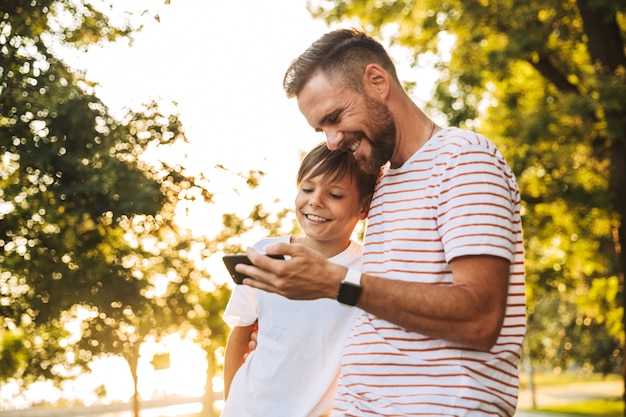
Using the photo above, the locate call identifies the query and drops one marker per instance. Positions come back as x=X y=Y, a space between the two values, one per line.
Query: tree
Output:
x=64 y=183
x=80 y=206
x=546 y=81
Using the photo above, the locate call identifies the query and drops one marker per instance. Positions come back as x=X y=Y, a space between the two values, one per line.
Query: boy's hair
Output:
x=334 y=165
x=341 y=54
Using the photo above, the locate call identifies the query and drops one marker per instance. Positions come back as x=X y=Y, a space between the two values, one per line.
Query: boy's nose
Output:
x=315 y=200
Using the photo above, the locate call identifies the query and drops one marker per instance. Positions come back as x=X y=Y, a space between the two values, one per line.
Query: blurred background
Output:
x=140 y=141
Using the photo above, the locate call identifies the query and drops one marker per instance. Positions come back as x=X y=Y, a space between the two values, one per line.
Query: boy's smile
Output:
x=328 y=210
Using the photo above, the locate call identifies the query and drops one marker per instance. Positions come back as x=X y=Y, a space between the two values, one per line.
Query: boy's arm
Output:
x=236 y=351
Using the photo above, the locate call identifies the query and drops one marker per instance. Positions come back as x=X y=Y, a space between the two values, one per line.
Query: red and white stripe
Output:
x=456 y=196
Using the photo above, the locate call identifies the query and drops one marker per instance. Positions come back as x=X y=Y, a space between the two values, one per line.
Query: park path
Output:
x=190 y=406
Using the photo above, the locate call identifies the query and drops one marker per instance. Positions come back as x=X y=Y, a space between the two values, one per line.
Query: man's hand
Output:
x=306 y=275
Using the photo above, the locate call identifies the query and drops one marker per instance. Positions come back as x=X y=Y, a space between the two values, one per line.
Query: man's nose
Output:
x=333 y=138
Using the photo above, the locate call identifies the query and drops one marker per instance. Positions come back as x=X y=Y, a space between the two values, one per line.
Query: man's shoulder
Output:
x=451 y=142
x=454 y=136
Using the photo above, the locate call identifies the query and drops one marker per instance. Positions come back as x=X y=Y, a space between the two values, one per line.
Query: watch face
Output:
x=348 y=293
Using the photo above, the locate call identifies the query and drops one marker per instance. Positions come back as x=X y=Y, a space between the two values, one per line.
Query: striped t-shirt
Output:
x=455 y=196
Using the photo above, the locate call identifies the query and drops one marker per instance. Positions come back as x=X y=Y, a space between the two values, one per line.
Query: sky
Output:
x=222 y=62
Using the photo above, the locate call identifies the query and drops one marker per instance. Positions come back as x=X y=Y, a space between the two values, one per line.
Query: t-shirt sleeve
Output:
x=241 y=309
x=477 y=203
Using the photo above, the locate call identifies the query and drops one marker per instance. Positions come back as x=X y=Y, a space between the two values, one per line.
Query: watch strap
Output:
x=350 y=288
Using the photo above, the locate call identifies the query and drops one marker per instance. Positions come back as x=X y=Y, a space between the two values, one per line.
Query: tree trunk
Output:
x=531 y=384
x=530 y=370
x=135 y=394
x=133 y=359
x=208 y=402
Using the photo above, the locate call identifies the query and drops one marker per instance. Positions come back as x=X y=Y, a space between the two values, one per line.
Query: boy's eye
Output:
x=336 y=196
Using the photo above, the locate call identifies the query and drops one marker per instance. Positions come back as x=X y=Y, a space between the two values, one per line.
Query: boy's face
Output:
x=329 y=209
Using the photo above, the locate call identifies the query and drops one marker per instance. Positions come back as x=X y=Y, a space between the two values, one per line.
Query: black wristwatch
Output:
x=350 y=288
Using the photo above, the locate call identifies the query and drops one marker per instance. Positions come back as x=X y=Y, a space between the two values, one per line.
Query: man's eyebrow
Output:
x=330 y=115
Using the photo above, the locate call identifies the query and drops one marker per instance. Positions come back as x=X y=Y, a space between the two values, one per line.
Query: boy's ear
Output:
x=365 y=207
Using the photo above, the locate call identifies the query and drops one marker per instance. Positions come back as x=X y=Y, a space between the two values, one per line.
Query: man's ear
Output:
x=376 y=81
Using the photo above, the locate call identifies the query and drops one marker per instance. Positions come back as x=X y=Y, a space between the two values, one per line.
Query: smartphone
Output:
x=231 y=260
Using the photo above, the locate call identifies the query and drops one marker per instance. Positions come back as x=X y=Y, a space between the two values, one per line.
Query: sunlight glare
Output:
x=186 y=375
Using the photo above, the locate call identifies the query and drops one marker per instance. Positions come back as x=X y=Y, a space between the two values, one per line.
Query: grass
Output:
x=552 y=379
x=597 y=407
x=589 y=406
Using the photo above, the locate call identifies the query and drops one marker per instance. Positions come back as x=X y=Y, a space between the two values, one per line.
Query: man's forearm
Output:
x=469 y=312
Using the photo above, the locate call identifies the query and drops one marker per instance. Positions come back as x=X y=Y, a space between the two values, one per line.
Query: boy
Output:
x=294 y=370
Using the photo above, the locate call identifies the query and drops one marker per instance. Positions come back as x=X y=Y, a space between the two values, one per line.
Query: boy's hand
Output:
x=252 y=343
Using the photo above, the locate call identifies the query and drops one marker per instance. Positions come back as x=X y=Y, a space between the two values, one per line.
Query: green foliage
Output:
x=64 y=188
x=13 y=355
x=547 y=82
x=88 y=235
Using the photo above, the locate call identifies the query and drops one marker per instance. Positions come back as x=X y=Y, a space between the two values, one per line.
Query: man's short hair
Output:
x=341 y=55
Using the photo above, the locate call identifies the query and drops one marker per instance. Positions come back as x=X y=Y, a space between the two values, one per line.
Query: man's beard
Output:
x=382 y=139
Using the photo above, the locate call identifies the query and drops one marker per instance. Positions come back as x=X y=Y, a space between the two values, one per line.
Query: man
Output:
x=442 y=287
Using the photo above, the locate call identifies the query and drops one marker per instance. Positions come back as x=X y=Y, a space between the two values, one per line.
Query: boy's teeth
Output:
x=316 y=218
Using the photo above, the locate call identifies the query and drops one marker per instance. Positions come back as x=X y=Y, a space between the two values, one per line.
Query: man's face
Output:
x=351 y=121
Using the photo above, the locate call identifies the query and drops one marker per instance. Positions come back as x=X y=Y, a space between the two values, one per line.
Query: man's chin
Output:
x=368 y=166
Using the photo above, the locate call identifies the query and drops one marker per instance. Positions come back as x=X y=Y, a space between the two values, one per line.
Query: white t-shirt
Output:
x=294 y=370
